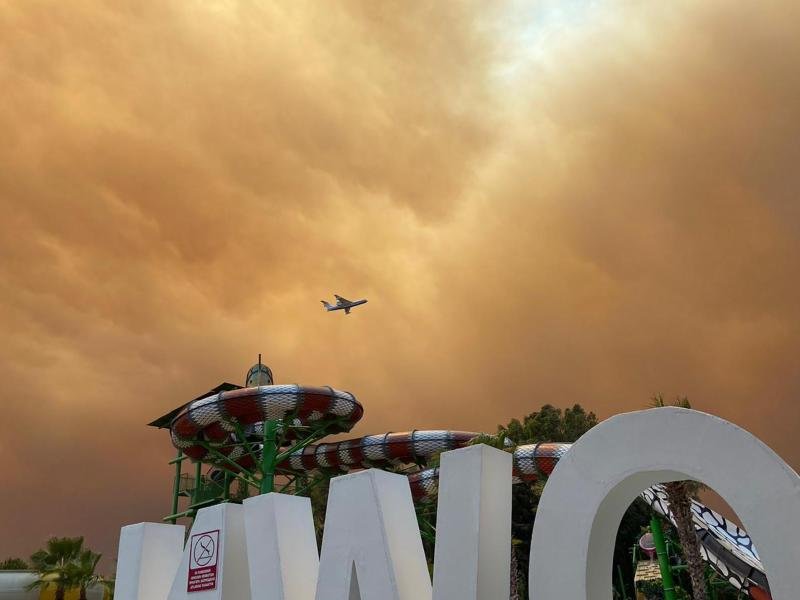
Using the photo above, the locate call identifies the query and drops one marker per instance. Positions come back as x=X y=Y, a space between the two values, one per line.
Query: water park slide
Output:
x=225 y=428
x=723 y=544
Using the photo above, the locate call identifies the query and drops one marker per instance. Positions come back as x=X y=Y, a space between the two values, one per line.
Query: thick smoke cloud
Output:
x=588 y=202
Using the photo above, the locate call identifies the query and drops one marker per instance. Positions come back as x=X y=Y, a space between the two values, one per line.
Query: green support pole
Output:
x=176 y=489
x=197 y=474
x=622 y=583
x=663 y=559
x=268 y=455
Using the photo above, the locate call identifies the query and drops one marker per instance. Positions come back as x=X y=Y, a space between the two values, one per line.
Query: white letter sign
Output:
x=587 y=494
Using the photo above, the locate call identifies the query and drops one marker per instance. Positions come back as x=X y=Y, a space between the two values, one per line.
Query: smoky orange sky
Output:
x=545 y=202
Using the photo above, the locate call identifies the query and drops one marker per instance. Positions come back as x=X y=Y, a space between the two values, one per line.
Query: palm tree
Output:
x=110 y=583
x=80 y=572
x=679 y=494
x=52 y=563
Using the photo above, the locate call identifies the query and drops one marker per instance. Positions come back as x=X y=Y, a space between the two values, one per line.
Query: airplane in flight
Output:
x=343 y=304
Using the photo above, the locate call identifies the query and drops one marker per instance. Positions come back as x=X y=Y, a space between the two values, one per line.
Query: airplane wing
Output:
x=341 y=300
x=347 y=310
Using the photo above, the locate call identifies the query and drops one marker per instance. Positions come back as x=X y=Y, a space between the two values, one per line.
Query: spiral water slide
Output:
x=225 y=429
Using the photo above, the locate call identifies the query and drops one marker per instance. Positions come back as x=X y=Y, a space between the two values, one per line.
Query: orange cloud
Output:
x=543 y=205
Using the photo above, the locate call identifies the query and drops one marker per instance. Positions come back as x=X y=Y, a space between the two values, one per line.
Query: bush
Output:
x=652 y=590
x=13 y=564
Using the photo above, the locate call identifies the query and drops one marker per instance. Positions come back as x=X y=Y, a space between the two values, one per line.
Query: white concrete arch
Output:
x=587 y=494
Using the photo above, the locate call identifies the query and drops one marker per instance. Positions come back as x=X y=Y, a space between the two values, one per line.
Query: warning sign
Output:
x=203 y=562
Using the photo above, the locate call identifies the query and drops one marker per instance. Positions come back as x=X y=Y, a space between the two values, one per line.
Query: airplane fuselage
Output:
x=343 y=304
x=348 y=305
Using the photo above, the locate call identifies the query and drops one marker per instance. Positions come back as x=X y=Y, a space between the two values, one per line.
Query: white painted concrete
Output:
x=371 y=534
x=13 y=584
x=473 y=527
x=233 y=577
x=591 y=487
x=147 y=559
x=281 y=547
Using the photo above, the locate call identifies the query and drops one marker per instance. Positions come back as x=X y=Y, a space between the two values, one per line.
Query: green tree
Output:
x=110 y=586
x=679 y=494
x=80 y=573
x=634 y=523
x=548 y=424
x=13 y=564
x=315 y=486
x=53 y=563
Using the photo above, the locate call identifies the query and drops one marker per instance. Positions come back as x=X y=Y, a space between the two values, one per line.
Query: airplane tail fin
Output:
x=326 y=305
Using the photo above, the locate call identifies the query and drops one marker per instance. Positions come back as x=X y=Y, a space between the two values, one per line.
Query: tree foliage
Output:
x=633 y=525
x=66 y=564
x=549 y=424
x=13 y=564
x=81 y=574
